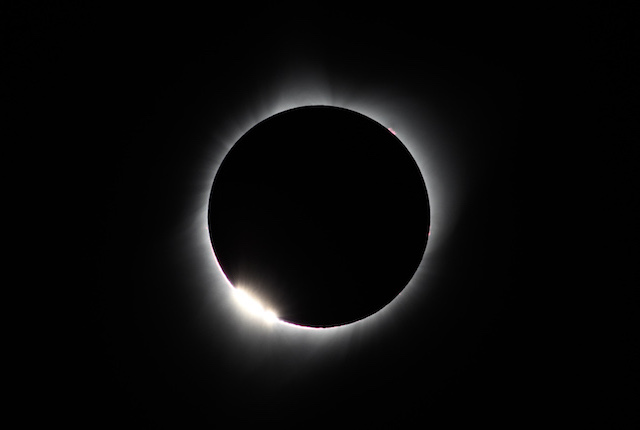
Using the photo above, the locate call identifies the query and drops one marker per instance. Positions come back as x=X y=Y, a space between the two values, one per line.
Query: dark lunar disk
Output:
x=321 y=213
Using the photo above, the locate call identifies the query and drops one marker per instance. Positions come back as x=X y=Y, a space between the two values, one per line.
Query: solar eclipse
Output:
x=319 y=213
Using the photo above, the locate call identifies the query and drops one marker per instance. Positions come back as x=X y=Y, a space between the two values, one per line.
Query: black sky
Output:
x=125 y=99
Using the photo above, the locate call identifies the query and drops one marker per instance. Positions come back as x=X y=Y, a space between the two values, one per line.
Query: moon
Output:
x=319 y=214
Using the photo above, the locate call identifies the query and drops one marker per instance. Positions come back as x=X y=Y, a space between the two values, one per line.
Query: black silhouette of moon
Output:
x=321 y=213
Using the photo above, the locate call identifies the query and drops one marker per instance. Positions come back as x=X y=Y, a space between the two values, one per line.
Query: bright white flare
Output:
x=252 y=306
x=270 y=316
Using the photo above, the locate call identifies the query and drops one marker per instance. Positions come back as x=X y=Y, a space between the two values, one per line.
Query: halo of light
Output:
x=396 y=109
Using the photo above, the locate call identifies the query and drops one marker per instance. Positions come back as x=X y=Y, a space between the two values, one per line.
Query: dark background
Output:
x=107 y=94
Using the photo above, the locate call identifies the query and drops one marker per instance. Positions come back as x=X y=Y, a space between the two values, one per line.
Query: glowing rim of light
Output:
x=249 y=302
x=304 y=92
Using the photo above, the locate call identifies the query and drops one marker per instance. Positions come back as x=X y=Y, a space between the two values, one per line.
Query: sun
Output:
x=395 y=108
